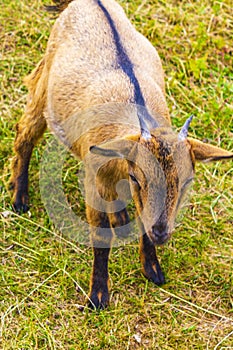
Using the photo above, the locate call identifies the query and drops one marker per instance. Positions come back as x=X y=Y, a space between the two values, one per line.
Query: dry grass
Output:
x=44 y=277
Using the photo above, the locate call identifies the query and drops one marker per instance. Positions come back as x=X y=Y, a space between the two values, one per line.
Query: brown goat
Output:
x=100 y=89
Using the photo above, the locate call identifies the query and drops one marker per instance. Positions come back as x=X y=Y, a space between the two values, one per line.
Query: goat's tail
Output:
x=59 y=5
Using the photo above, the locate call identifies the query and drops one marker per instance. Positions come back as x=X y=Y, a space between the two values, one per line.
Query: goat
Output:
x=96 y=60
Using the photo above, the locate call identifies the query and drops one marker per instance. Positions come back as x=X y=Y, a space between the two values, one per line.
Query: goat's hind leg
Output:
x=150 y=264
x=119 y=220
x=29 y=129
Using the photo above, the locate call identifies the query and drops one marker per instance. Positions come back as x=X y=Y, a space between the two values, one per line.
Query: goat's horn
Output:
x=184 y=131
x=146 y=123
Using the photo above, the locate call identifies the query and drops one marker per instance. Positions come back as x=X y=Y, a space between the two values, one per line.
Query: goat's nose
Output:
x=159 y=229
x=160 y=233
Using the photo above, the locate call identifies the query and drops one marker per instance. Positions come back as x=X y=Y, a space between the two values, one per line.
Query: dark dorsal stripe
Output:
x=126 y=65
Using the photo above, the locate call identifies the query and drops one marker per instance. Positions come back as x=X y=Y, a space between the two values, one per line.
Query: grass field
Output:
x=44 y=277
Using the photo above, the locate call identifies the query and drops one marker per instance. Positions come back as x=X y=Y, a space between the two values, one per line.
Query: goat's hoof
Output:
x=159 y=279
x=154 y=275
x=20 y=207
x=98 y=301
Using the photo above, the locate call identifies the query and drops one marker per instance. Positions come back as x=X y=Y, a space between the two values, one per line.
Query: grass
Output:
x=44 y=277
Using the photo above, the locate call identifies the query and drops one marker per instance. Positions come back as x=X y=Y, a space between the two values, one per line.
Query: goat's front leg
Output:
x=150 y=265
x=99 y=292
x=101 y=237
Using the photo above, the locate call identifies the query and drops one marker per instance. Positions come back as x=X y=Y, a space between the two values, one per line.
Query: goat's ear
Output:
x=117 y=148
x=105 y=152
x=204 y=152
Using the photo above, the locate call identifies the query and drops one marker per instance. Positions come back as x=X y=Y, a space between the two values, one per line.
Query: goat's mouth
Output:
x=158 y=238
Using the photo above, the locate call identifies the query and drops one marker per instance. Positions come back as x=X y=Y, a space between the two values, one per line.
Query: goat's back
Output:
x=95 y=56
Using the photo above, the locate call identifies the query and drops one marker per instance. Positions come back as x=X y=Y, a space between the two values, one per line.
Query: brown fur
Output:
x=60 y=5
x=78 y=74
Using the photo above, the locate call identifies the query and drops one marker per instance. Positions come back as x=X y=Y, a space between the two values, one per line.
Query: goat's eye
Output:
x=134 y=180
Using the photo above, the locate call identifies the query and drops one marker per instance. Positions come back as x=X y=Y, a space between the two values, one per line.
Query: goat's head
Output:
x=160 y=170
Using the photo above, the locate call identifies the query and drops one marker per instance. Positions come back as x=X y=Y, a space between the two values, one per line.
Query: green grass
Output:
x=44 y=277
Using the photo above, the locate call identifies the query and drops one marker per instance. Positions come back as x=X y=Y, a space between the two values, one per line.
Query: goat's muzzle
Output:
x=159 y=234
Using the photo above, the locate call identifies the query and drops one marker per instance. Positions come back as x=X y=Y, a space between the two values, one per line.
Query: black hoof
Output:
x=154 y=274
x=98 y=301
x=20 y=207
